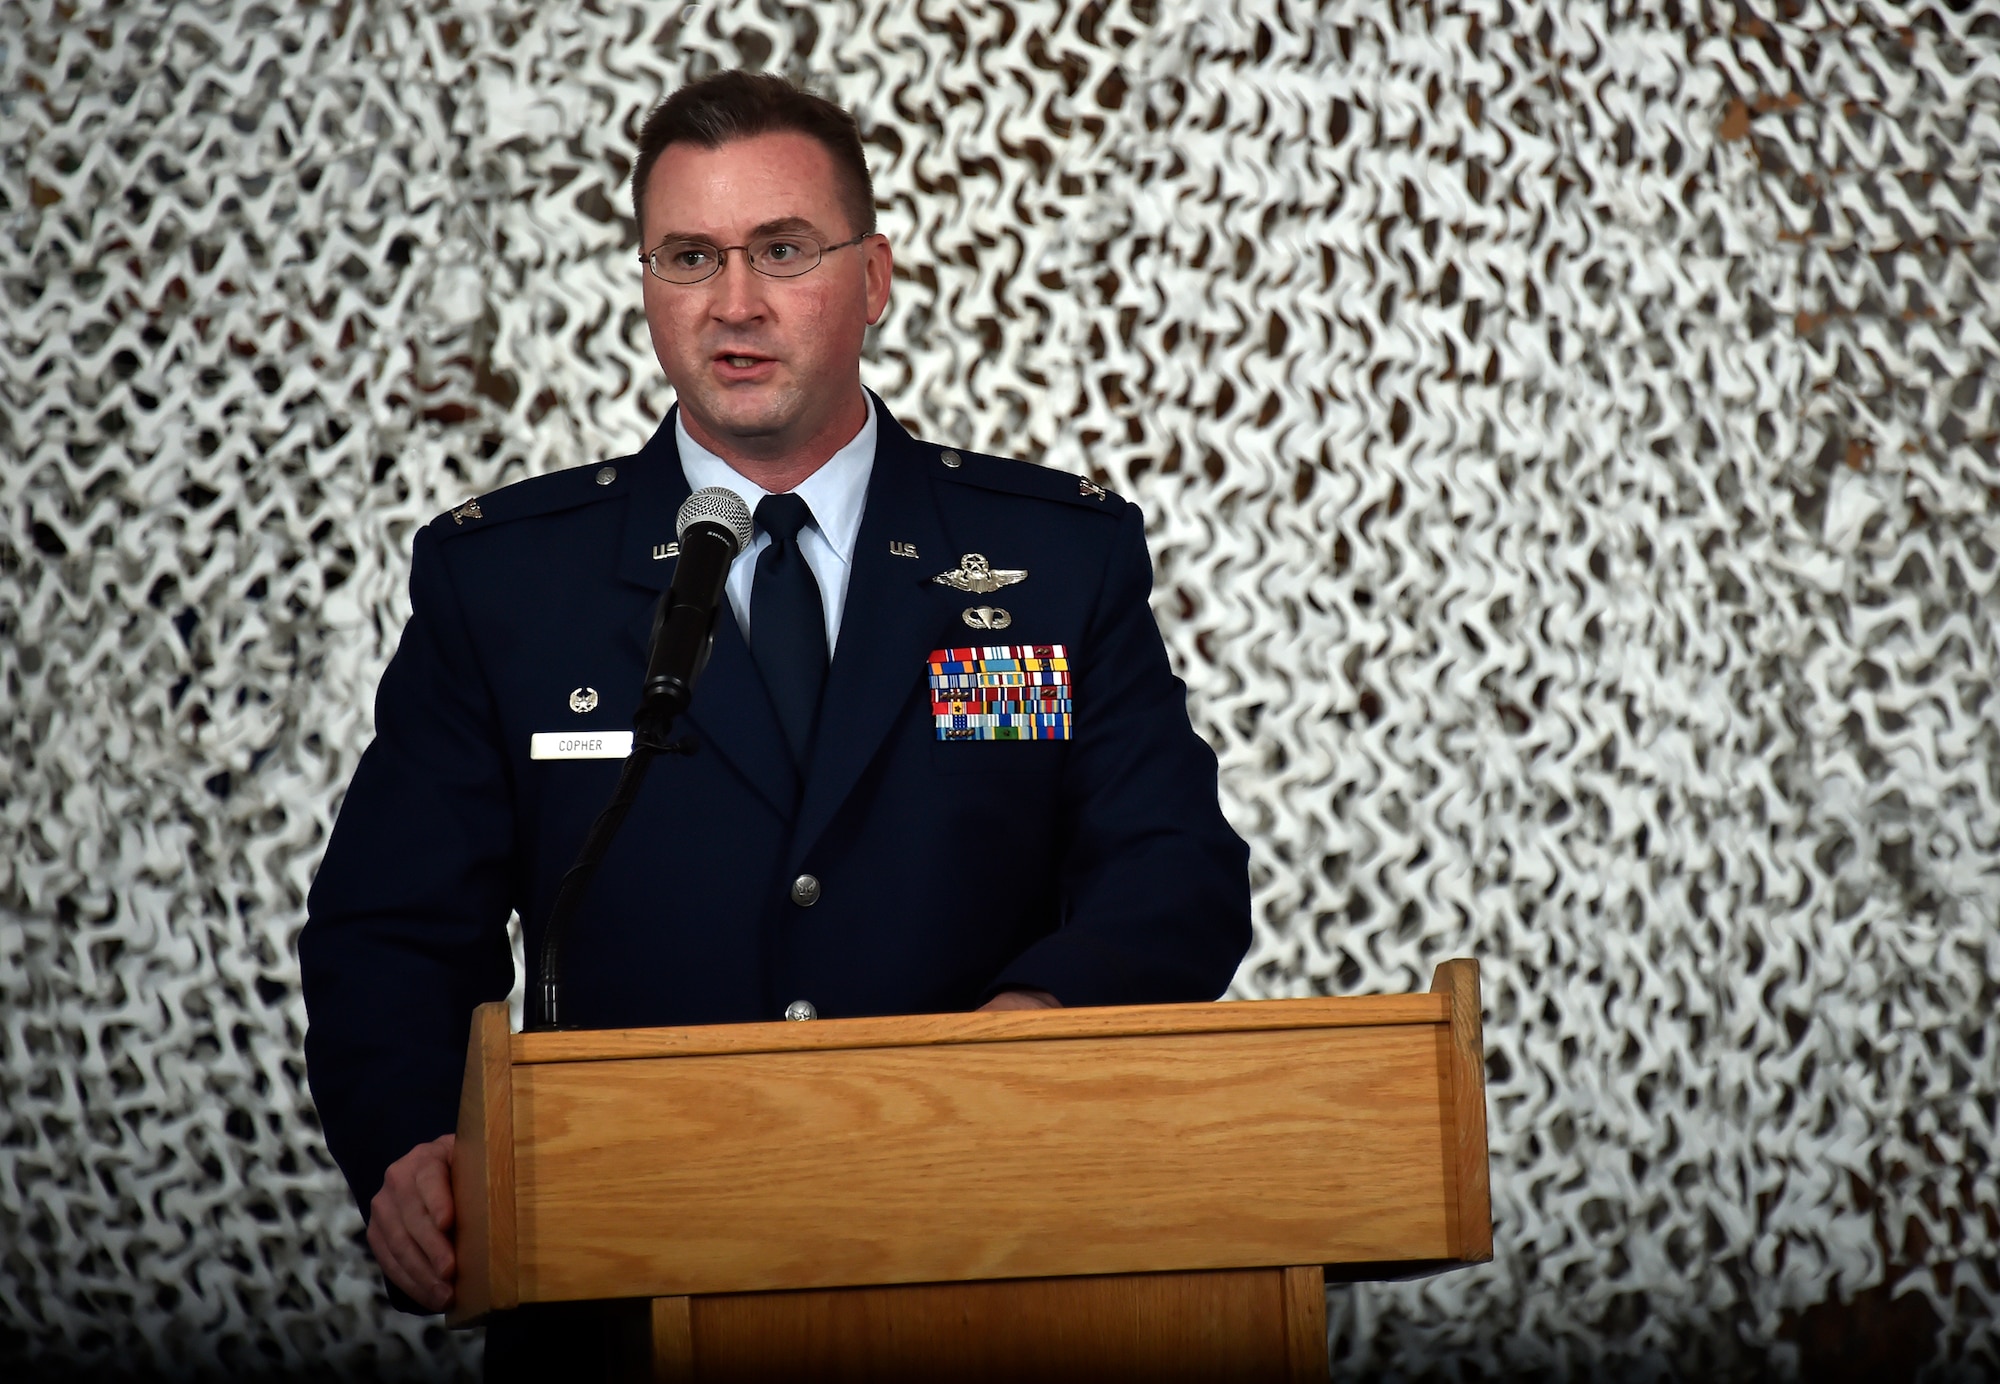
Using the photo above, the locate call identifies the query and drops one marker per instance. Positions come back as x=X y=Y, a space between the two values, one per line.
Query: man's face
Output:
x=763 y=366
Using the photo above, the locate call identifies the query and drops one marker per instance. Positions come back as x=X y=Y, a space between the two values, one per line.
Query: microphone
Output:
x=713 y=526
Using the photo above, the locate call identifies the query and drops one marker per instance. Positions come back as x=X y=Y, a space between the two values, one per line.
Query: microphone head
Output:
x=716 y=504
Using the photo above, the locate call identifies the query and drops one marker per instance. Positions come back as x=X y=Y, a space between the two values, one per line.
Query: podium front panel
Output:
x=947 y=1161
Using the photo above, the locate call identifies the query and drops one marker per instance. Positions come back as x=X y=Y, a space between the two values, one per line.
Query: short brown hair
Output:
x=741 y=105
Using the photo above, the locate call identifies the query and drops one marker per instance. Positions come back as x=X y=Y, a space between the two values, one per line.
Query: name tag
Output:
x=569 y=744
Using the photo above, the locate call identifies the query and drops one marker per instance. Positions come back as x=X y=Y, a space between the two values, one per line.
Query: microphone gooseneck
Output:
x=714 y=526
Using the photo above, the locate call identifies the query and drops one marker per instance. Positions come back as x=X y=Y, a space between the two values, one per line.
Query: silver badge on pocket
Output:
x=975 y=574
x=987 y=617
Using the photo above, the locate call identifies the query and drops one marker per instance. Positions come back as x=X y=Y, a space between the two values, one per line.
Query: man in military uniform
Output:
x=939 y=759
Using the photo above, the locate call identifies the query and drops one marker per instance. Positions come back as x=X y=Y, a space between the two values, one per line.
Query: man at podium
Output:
x=937 y=761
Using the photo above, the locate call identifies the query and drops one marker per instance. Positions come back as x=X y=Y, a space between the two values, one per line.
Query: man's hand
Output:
x=410 y=1220
x=1021 y=999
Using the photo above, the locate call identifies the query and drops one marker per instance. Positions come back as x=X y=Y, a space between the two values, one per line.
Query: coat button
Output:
x=805 y=893
x=606 y=474
x=951 y=459
x=798 y=1011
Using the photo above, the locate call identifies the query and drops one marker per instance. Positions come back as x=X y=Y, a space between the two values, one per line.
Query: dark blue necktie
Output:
x=788 y=621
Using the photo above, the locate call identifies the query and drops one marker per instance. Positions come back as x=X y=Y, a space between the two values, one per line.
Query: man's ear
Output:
x=878 y=267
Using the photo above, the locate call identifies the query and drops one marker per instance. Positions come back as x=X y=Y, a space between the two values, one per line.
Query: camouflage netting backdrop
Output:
x=1568 y=434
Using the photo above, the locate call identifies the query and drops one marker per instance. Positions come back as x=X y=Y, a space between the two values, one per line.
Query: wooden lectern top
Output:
x=993 y=1026
x=959 y=1147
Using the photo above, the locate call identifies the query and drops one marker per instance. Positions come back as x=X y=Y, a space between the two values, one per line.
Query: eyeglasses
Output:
x=782 y=256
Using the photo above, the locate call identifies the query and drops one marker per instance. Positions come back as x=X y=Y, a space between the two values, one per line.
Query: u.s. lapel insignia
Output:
x=986 y=617
x=663 y=551
x=974 y=573
x=583 y=700
x=898 y=548
x=468 y=510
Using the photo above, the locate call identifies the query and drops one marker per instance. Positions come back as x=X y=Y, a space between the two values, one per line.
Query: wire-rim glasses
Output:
x=781 y=255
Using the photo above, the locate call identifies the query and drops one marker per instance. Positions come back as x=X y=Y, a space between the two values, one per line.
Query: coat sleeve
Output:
x=406 y=926
x=1154 y=884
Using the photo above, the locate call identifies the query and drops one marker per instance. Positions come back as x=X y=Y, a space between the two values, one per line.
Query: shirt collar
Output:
x=836 y=493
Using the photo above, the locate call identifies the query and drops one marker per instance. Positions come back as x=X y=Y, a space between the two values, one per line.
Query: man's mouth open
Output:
x=731 y=365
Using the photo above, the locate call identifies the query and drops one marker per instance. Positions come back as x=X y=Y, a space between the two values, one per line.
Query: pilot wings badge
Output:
x=974 y=573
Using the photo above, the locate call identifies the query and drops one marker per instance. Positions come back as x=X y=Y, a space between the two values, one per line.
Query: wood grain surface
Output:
x=482 y=1172
x=1462 y=1067
x=915 y=1030
x=1051 y=1156
x=1305 y=1324
x=672 y=1324
x=1227 y=1326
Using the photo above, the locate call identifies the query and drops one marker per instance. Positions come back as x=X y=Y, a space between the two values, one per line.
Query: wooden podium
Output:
x=1145 y=1192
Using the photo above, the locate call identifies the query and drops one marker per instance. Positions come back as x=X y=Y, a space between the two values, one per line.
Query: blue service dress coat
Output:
x=1097 y=867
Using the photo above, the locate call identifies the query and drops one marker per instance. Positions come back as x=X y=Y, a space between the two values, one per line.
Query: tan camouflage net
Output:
x=1568 y=435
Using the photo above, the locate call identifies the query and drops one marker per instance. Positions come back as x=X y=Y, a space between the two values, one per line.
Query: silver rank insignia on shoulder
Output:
x=986 y=617
x=974 y=573
x=663 y=551
x=468 y=510
x=583 y=700
x=898 y=548
x=1088 y=488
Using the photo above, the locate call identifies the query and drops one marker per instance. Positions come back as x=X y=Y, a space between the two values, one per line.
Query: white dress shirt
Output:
x=836 y=494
